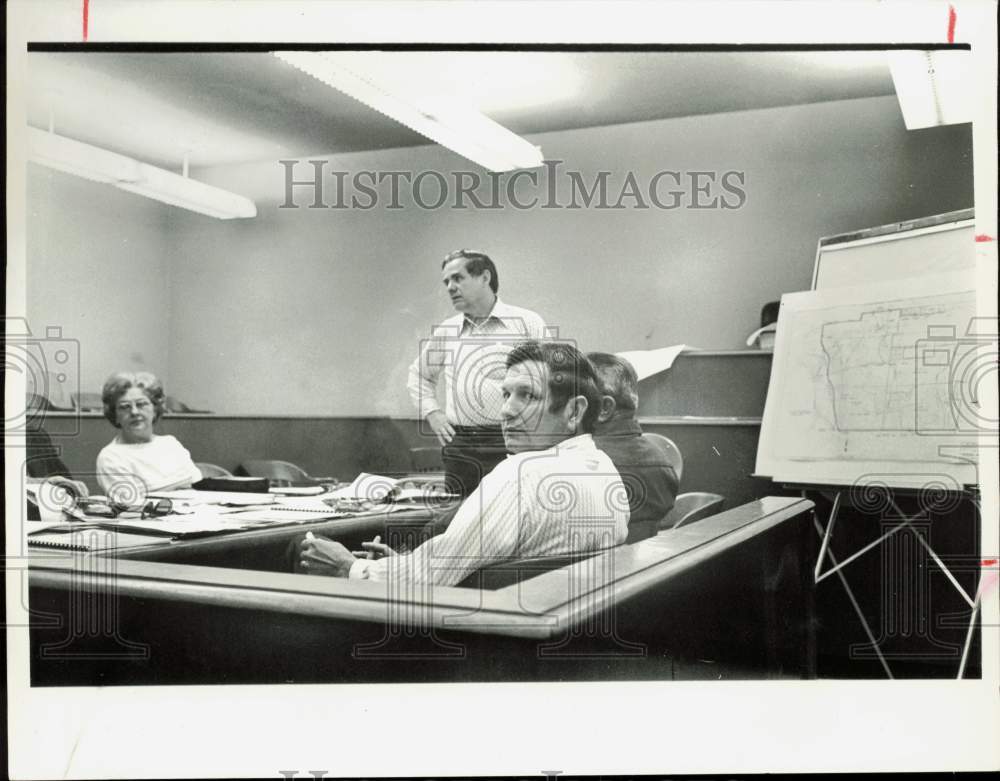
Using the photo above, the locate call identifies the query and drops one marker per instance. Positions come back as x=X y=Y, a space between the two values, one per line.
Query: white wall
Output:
x=326 y=307
x=98 y=268
x=321 y=311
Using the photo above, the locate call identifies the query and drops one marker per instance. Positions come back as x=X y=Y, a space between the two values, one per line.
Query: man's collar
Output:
x=500 y=311
x=578 y=442
x=619 y=426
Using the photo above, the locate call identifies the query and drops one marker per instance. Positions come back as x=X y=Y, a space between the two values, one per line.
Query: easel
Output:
x=905 y=522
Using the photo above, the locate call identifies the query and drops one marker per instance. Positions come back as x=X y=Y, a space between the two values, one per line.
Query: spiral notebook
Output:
x=286 y=515
x=91 y=540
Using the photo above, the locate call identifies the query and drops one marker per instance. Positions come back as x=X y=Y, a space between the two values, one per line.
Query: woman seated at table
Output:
x=137 y=460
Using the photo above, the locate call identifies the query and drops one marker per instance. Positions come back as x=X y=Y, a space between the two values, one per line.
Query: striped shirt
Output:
x=470 y=358
x=566 y=499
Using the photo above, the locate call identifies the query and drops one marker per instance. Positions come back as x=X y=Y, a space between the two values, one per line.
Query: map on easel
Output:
x=878 y=384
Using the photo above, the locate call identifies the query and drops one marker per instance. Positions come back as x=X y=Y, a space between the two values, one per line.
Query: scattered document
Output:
x=178 y=526
x=298 y=490
x=284 y=515
x=650 y=362
x=230 y=498
x=317 y=503
x=378 y=489
x=430 y=492
x=368 y=488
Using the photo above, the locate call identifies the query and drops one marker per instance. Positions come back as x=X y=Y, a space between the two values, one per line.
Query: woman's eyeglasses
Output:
x=157 y=508
x=127 y=406
x=154 y=508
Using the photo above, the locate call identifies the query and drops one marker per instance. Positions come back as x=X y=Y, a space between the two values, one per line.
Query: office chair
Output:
x=212 y=470
x=36 y=402
x=174 y=405
x=691 y=507
x=670 y=450
x=280 y=473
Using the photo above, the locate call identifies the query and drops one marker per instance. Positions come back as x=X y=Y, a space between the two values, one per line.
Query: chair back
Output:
x=691 y=507
x=212 y=470
x=173 y=404
x=280 y=473
x=670 y=450
x=36 y=402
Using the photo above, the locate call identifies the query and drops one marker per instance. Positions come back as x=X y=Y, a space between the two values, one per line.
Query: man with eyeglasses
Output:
x=466 y=354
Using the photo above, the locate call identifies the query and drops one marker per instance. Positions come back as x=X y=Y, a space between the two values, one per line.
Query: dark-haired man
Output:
x=556 y=494
x=645 y=468
x=466 y=354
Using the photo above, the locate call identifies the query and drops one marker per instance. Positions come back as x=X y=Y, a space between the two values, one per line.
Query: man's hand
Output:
x=441 y=427
x=374 y=550
x=74 y=487
x=320 y=556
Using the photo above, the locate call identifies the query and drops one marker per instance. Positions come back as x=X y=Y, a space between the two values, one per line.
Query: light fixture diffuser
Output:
x=73 y=157
x=100 y=165
x=933 y=87
x=465 y=131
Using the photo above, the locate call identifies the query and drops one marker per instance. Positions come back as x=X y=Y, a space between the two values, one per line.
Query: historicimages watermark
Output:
x=315 y=184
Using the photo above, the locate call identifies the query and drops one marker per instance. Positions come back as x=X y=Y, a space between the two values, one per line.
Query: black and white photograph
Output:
x=395 y=379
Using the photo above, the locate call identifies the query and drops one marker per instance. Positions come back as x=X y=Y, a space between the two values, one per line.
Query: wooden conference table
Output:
x=729 y=596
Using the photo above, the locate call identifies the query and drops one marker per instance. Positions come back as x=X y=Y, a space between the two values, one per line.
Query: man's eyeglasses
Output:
x=154 y=508
x=157 y=508
x=142 y=405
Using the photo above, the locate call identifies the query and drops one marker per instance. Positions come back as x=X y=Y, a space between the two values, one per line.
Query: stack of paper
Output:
x=298 y=490
x=229 y=498
x=367 y=487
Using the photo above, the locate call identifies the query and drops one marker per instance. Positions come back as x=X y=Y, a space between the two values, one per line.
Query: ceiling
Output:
x=224 y=108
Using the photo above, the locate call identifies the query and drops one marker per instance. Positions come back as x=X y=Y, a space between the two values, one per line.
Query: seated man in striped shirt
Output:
x=556 y=494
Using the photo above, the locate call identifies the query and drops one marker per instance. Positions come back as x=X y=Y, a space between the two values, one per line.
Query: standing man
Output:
x=467 y=354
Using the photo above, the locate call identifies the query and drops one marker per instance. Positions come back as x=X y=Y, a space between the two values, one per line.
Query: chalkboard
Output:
x=933 y=245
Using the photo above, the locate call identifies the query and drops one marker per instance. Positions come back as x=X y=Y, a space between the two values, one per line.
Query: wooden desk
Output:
x=634 y=612
x=264 y=549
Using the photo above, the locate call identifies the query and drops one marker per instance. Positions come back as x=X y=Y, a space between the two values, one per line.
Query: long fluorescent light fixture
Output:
x=933 y=87
x=467 y=132
x=100 y=165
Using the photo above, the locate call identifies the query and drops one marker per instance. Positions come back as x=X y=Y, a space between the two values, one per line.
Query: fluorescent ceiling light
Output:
x=465 y=131
x=190 y=194
x=933 y=87
x=100 y=165
x=72 y=157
